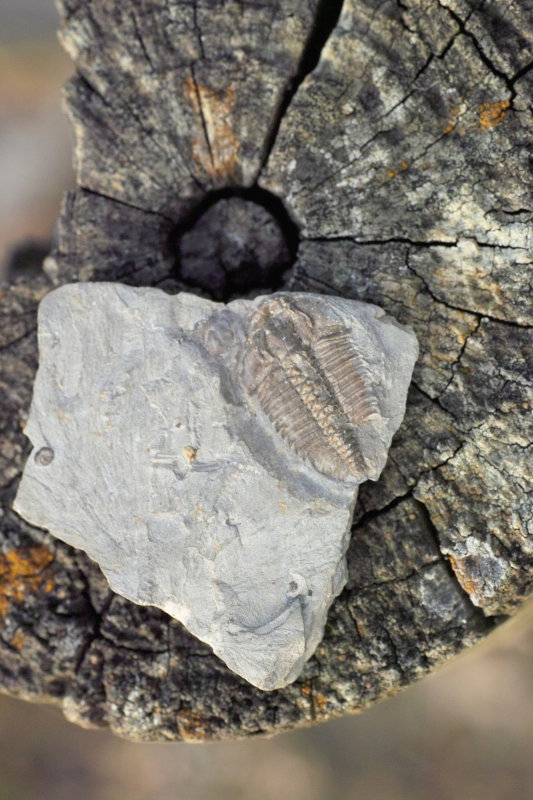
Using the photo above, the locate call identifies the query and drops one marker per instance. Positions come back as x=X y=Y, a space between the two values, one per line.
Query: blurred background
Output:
x=35 y=142
x=464 y=733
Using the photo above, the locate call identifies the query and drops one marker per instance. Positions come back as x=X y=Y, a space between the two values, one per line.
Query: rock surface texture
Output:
x=207 y=457
x=398 y=135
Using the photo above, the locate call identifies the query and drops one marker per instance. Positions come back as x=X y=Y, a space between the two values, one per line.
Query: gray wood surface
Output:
x=404 y=157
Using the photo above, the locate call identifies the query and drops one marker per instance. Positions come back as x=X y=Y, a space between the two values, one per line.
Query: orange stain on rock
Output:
x=492 y=114
x=21 y=573
x=216 y=152
x=190 y=453
x=62 y=416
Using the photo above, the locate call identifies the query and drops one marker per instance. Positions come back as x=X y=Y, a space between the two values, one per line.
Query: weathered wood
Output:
x=404 y=157
x=178 y=97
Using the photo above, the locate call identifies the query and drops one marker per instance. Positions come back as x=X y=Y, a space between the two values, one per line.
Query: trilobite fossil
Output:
x=309 y=377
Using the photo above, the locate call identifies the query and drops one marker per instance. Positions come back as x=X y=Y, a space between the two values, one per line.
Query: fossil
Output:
x=208 y=456
x=313 y=382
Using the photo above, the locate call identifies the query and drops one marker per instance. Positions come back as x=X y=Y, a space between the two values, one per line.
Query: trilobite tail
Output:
x=349 y=375
x=303 y=415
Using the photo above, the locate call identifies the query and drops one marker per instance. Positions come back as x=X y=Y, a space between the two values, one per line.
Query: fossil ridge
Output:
x=207 y=456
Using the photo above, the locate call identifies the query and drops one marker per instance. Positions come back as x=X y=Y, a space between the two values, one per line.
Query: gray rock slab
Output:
x=208 y=456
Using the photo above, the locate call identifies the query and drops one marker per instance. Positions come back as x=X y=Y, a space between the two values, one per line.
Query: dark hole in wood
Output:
x=235 y=243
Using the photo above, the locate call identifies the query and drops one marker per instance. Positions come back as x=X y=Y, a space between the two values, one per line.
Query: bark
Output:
x=403 y=155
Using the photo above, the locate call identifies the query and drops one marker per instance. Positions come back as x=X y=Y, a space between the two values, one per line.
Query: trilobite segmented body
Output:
x=308 y=376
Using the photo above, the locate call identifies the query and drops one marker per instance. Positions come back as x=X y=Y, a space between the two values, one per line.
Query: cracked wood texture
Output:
x=398 y=136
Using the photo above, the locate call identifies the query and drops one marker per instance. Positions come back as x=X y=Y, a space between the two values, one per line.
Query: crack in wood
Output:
x=326 y=17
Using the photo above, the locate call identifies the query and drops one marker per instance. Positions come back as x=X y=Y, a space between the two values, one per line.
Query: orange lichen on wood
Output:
x=454 y=113
x=18 y=640
x=393 y=172
x=216 y=153
x=469 y=585
x=492 y=114
x=320 y=703
x=193 y=727
x=317 y=700
x=21 y=573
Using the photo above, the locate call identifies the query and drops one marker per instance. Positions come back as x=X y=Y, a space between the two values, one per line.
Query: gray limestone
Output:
x=208 y=456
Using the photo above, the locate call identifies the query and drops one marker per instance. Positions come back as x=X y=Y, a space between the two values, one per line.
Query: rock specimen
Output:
x=207 y=456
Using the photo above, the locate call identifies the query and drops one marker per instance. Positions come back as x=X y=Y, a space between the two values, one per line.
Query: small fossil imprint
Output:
x=312 y=382
x=44 y=456
x=297 y=590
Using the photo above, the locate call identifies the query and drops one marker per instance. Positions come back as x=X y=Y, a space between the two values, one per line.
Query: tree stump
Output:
x=383 y=150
